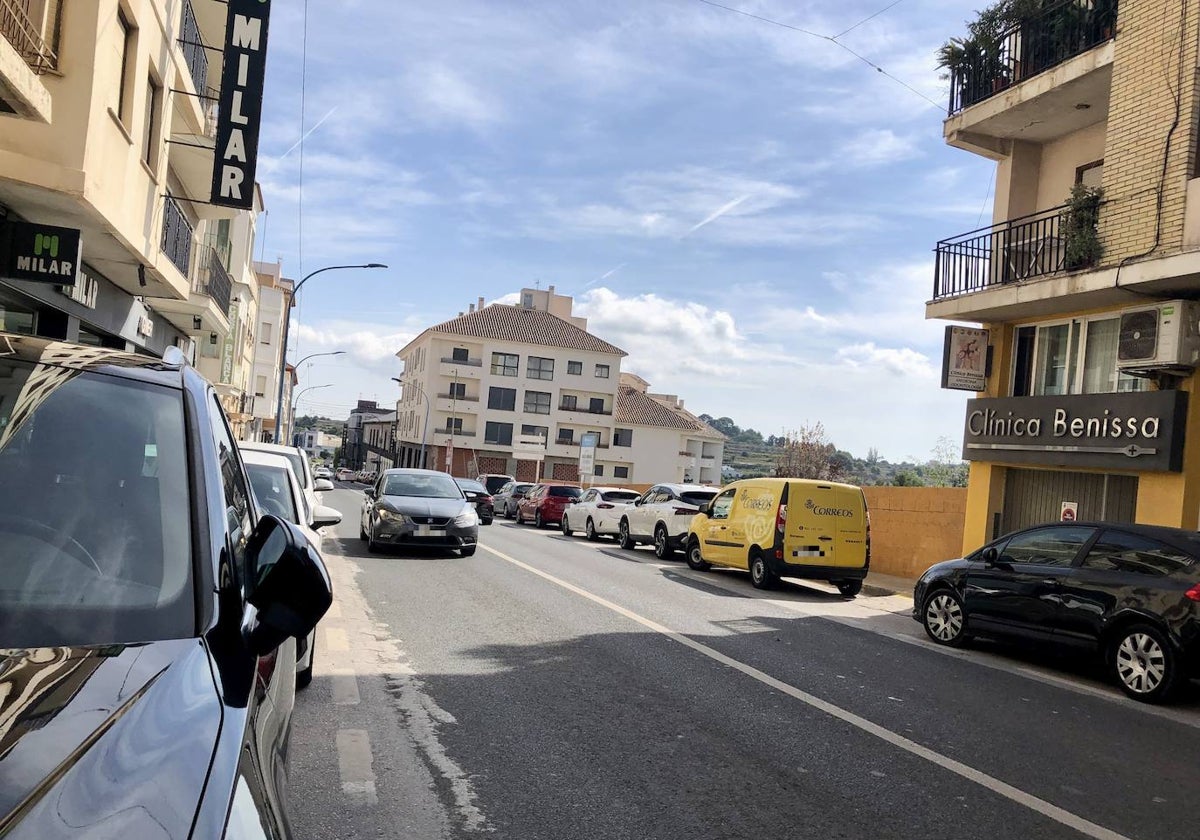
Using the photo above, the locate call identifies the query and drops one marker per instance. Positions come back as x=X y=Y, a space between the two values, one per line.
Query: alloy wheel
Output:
x=1141 y=663
x=943 y=617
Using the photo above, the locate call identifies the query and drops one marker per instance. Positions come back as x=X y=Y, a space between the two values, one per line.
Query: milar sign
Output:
x=1131 y=431
x=240 y=105
x=42 y=253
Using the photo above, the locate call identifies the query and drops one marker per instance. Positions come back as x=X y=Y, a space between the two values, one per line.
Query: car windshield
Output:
x=95 y=546
x=697 y=497
x=273 y=492
x=564 y=492
x=619 y=496
x=474 y=486
x=421 y=485
x=521 y=488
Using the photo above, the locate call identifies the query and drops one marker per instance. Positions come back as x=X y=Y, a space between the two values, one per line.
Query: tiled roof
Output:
x=638 y=409
x=525 y=326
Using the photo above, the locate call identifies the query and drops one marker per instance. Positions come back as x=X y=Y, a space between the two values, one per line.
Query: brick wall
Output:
x=1146 y=66
x=914 y=527
x=566 y=472
x=492 y=464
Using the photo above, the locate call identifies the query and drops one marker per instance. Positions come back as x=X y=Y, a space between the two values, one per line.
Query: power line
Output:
x=867 y=18
x=767 y=20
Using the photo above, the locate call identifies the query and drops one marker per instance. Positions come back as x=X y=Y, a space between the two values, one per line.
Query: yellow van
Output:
x=785 y=527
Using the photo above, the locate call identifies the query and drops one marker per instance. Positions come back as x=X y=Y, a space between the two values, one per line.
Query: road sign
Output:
x=1069 y=512
x=529 y=448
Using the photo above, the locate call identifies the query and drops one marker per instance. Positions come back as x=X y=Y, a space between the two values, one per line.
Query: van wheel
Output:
x=662 y=546
x=589 y=529
x=849 y=588
x=623 y=538
x=760 y=573
x=695 y=559
x=1144 y=663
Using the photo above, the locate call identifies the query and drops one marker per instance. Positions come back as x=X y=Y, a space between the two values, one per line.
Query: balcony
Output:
x=214 y=279
x=191 y=41
x=468 y=362
x=28 y=49
x=583 y=410
x=177 y=235
x=459 y=370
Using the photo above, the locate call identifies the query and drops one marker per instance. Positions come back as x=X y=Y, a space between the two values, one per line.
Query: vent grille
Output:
x=1139 y=336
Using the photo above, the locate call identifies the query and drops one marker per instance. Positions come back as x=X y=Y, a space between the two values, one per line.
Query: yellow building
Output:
x=1088 y=298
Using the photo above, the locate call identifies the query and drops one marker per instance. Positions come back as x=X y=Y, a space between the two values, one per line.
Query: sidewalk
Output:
x=881 y=584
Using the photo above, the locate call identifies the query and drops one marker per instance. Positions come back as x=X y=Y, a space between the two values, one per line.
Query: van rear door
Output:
x=826 y=525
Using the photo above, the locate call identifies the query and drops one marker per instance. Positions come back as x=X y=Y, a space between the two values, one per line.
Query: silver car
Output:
x=418 y=508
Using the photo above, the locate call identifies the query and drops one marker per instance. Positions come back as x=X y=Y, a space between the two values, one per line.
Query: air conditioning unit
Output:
x=1160 y=337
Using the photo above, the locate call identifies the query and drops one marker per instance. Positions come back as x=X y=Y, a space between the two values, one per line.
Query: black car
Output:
x=148 y=614
x=508 y=498
x=1129 y=592
x=479 y=496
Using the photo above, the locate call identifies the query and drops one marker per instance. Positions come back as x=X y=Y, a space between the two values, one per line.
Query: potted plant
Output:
x=1080 y=228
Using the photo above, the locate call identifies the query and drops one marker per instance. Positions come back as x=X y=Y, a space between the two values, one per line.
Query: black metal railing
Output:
x=177 y=236
x=584 y=409
x=214 y=280
x=192 y=44
x=1019 y=249
x=458 y=398
x=28 y=38
x=468 y=362
x=1041 y=41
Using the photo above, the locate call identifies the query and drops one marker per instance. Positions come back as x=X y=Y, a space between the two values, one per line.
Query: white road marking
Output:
x=344 y=686
x=1010 y=792
x=355 y=766
x=336 y=639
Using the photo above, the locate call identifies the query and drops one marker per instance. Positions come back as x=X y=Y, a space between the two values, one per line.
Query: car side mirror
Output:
x=991 y=557
x=289 y=584
x=323 y=515
x=369 y=492
x=322 y=484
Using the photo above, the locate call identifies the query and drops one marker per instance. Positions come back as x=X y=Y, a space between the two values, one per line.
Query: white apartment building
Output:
x=274 y=296
x=518 y=389
x=104 y=135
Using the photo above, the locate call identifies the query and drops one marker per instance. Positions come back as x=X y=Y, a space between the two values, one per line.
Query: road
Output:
x=553 y=688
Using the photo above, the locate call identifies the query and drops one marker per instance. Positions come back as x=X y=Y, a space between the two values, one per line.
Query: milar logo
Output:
x=828 y=511
x=44 y=259
x=42 y=252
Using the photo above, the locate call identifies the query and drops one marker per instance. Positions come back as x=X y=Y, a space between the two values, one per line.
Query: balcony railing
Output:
x=1019 y=249
x=468 y=362
x=1044 y=40
x=177 y=235
x=458 y=398
x=214 y=280
x=192 y=44
x=584 y=409
x=28 y=38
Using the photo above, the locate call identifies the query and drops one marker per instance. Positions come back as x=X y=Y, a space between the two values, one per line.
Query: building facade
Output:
x=355 y=436
x=274 y=296
x=1085 y=281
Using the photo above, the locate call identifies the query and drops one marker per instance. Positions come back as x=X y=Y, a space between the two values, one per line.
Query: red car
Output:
x=543 y=505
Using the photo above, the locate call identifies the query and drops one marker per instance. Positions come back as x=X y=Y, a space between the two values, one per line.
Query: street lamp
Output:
x=287 y=319
x=425 y=426
x=296 y=402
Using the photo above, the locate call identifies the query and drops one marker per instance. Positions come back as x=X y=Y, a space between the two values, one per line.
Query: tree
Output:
x=807 y=453
x=946 y=468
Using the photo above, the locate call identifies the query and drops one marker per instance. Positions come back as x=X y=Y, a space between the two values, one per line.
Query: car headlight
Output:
x=467 y=518
x=392 y=516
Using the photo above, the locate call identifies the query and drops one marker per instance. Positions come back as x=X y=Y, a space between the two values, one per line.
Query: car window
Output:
x=619 y=496
x=697 y=497
x=426 y=486
x=649 y=495
x=238 y=514
x=507 y=489
x=1046 y=546
x=1121 y=552
x=469 y=484
x=722 y=505
x=273 y=492
x=298 y=467
x=565 y=492
x=95 y=537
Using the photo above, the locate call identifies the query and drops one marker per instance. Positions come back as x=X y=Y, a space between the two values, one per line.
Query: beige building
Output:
x=106 y=128
x=274 y=297
x=1085 y=408
x=521 y=389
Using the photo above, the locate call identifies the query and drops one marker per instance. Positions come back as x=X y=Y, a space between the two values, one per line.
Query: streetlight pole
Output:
x=296 y=401
x=425 y=425
x=287 y=318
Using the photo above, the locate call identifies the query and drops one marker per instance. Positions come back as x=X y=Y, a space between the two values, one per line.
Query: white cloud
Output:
x=903 y=361
x=879 y=146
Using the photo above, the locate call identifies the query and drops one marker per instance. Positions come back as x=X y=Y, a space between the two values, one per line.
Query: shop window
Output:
x=20 y=321
x=1077 y=357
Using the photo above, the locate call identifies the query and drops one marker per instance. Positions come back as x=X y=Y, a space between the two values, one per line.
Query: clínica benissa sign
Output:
x=240 y=104
x=1129 y=431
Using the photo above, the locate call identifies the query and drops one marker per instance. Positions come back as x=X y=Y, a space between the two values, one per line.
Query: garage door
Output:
x=1032 y=497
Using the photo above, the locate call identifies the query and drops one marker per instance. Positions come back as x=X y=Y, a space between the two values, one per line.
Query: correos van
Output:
x=785 y=527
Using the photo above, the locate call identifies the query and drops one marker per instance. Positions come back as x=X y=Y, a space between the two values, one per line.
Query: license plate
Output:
x=429 y=531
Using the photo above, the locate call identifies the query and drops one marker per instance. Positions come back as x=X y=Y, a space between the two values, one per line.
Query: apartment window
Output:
x=460 y=354
x=150 y=128
x=499 y=433
x=535 y=431
x=502 y=399
x=569 y=402
x=602 y=371
x=575 y=368
x=527 y=300
x=1090 y=174
x=125 y=32
x=504 y=364
x=540 y=368
x=566 y=435
x=622 y=437
x=537 y=402
x=458 y=390
x=260 y=386
x=596 y=405
x=454 y=425
x=620 y=472
x=1075 y=357
x=598 y=469
x=264 y=333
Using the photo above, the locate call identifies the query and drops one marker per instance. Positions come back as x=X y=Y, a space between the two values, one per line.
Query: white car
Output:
x=345 y=474
x=300 y=465
x=597 y=512
x=661 y=516
x=277 y=490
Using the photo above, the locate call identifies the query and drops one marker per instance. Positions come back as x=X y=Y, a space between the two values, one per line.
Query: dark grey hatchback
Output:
x=418 y=508
x=1130 y=592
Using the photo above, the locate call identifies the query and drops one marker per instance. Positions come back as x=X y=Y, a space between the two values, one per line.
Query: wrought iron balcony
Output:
x=37 y=43
x=214 y=280
x=1046 y=39
x=177 y=236
x=192 y=44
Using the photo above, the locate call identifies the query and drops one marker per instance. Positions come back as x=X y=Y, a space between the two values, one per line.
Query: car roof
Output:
x=1180 y=537
x=611 y=489
x=688 y=488
x=71 y=356
x=414 y=471
x=278 y=448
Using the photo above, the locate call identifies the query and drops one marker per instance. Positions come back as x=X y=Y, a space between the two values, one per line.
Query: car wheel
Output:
x=623 y=538
x=566 y=528
x=589 y=529
x=662 y=545
x=304 y=677
x=1144 y=663
x=695 y=559
x=362 y=532
x=760 y=573
x=537 y=519
x=372 y=546
x=467 y=550
x=849 y=588
x=508 y=512
x=944 y=618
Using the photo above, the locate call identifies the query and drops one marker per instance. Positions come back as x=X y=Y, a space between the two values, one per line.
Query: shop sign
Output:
x=587 y=453
x=239 y=110
x=1069 y=512
x=227 y=346
x=41 y=253
x=964 y=359
x=1130 y=431
x=85 y=292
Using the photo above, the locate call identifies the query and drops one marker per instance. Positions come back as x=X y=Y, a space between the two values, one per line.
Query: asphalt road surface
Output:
x=553 y=688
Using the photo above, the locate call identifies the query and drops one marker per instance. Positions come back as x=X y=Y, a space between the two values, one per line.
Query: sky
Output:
x=748 y=210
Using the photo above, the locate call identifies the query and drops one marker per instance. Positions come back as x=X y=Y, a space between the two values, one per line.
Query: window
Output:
x=535 y=431
x=596 y=405
x=458 y=390
x=569 y=402
x=602 y=371
x=1090 y=174
x=260 y=386
x=590 y=496
x=499 y=433
x=598 y=469
x=126 y=47
x=620 y=472
x=502 y=399
x=150 y=132
x=537 y=402
x=1078 y=357
x=566 y=435
x=527 y=300
x=1046 y=546
x=623 y=437
x=1051 y=365
x=264 y=333
x=504 y=364
x=273 y=491
x=460 y=354
x=238 y=515
x=575 y=368
x=722 y=504
x=454 y=425
x=1119 y=552
x=540 y=367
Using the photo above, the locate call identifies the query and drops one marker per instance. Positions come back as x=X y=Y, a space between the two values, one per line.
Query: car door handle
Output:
x=1051 y=580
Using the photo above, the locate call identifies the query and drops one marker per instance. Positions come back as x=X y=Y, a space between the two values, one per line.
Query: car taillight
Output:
x=685 y=511
x=781 y=519
x=1193 y=594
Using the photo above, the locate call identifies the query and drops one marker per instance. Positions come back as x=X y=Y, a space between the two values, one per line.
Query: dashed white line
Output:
x=344 y=686
x=355 y=766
